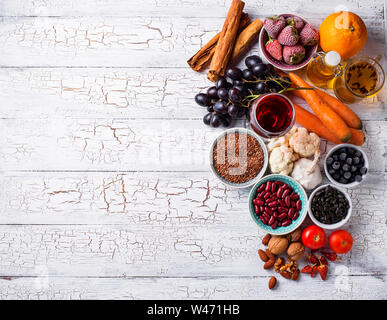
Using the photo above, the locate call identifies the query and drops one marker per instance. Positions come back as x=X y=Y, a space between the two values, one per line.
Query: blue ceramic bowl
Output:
x=296 y=187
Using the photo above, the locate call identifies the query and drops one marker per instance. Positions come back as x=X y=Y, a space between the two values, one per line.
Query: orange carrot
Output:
x=309 y=121
x=345 y=112
x=357 y=137
x=323 y=111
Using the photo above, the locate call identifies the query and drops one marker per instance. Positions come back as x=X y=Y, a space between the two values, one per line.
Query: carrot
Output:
x=357 y=137
x=309 y=121
x=323 y=111
x=345 y=112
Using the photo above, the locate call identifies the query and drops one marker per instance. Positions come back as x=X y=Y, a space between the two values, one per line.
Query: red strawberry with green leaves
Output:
x=288 y=36
x=293 y=54
x=296 y=22
x=308 y=35
x=274 y=48
x=273 y=25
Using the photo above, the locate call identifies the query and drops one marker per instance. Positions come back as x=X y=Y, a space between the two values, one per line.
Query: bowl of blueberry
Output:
x=346 y=165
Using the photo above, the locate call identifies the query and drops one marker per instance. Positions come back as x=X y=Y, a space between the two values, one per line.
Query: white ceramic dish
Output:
x=333 y=181
x=265 y=154
x=329 y=226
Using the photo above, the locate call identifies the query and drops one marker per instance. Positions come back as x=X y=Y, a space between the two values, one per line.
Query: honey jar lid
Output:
x=332 y=58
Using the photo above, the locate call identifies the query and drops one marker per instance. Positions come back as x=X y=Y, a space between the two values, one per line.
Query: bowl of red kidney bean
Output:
x=278 y=204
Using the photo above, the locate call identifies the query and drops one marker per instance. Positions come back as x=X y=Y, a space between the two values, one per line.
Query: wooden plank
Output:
x=108 y=93
x=147 y=198
x=199 y=8
x=121 y=42
x=164 y=251
x=339 y=286
x=127 y=145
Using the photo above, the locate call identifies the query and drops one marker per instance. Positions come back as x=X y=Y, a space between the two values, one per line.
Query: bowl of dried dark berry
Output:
x=278 y=204
x=329 y=207
x=346 y=165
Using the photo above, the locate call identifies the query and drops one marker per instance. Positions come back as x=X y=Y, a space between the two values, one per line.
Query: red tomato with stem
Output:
x=313 y=237
x=340 y=241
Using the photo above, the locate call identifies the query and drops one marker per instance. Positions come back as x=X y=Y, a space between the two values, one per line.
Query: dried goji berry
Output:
x=331 y=256
x=313 y=259
x=323 y=261
x=323 y=270
x=306 y=269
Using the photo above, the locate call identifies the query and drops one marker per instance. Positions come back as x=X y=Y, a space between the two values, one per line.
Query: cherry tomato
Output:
x=313 y=237
x=340 y=241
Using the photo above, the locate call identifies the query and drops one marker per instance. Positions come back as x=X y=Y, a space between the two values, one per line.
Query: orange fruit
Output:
x=344 y=32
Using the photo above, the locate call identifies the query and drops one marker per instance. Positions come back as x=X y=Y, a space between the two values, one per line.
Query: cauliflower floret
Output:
x=281 y=160
x=304 y=143
x=277 y=142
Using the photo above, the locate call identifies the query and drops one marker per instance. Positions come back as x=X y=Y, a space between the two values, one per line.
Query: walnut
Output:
x=295 y=235
x=278 y=244
x=296 y=250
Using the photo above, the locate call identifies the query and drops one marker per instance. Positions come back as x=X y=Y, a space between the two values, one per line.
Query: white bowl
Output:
x=348 y=185
x=265 y=155
x=335 y=225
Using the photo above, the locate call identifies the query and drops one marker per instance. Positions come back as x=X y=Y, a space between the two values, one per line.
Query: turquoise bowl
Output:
x=297 y=188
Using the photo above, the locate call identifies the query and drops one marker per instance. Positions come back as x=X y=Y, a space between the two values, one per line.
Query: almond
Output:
x=270 y=255
x=286 y=274
x=295 y=274
x=272 y=282
x=268 y=264
x=266 y=239
x=263 y=255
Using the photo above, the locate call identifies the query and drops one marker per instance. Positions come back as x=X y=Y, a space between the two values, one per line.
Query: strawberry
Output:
x=273 y=25
x=296 y=22
x=288 y=36
x=308 y=36
x=274 y=48
x=293 y=54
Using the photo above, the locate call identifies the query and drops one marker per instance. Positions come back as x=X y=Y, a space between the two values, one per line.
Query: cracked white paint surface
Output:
x=104 y=184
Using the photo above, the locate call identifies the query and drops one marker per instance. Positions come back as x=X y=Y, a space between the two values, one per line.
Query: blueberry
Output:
x=358 y=154
x=353 y=168
x=343 y=180
x=331 y=172
x=347 y=175
x=336 y=165
x=351 y=151
x=335 y=157
x=363 y=170
x=358 y=178
x=343 y=156
x=349 y=161
x=336 y=176
x=346 y=167
x=356 y=160
x=329 y=160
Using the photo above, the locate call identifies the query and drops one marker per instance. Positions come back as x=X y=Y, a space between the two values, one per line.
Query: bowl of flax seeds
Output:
x=238 y=157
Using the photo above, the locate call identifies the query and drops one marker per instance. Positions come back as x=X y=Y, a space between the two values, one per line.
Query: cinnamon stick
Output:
x=246 y=38
x=226 y=42
x=200 y=59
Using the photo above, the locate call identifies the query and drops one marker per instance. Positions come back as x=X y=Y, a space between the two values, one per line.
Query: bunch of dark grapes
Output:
x=231 y=96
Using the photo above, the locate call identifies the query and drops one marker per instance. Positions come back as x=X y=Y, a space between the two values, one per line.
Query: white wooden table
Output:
x=105 y=186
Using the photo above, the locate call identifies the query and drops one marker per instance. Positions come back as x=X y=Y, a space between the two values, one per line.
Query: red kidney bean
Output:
x=293 y=204
x=282 y=209
x=271 y=221
x=295 y=216
x=272 y=204
x=286 y=223
x=268 y=211
x=261 y=194
x=294 y=196
x=263 y=219
x=273 y=187
x=266 y=195
x=268 y=186
x=282 y=216
x=271 y=200
x=290 y=213
x=261 y=188
x=274 y=225
x=260 y=203
x=279 y=192
x=285 y=193
x=287 y=201
x=298 y=204
x=266 y=215
x=256 y=208
x=276 y=215
x=282 y=203
x=261 y=209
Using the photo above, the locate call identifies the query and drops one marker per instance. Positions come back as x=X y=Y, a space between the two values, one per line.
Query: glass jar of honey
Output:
x=362 y=78
x=324 y=68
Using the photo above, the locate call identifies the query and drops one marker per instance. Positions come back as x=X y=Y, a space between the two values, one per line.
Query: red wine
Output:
x=274 y=114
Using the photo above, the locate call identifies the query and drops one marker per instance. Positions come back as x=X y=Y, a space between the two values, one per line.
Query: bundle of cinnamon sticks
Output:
x=237 y=35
